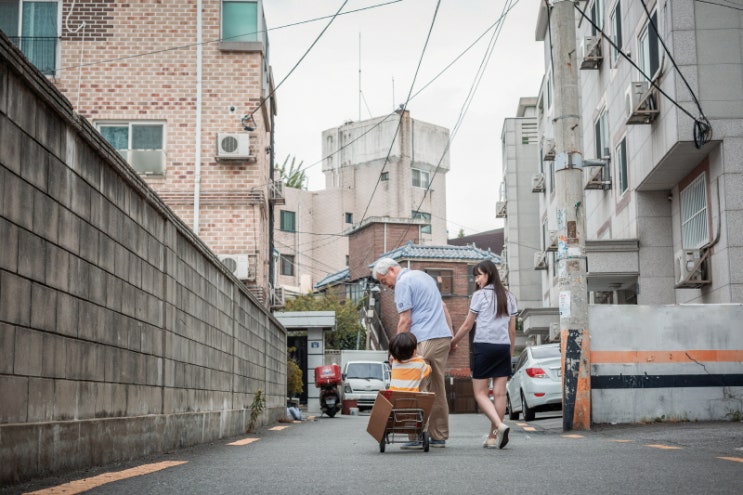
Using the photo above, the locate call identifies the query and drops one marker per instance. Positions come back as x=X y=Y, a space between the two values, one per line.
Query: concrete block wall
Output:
x=666 y=363
x=121 y=334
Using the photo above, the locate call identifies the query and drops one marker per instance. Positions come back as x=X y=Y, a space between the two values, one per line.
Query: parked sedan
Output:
x=536 y=384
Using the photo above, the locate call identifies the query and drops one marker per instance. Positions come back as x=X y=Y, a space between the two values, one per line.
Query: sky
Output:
x=365 y=63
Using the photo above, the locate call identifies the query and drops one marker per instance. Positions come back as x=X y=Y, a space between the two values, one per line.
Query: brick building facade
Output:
x=185 y=94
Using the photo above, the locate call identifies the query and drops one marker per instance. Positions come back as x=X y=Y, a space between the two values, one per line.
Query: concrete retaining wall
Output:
x=666 y=363
x=121 y=334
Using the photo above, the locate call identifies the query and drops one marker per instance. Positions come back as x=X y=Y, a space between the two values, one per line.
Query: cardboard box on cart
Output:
x=387 y=400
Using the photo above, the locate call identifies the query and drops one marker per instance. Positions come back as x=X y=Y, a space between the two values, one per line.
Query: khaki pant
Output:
x=436 y=353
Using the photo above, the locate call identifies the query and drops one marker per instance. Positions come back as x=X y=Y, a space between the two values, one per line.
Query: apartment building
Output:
x=386 y=167
x=183 y=90
x=661 y=98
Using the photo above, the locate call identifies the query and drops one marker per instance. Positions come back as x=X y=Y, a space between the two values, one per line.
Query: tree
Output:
x=461 y=234
x=293 y=176
x=348 y=328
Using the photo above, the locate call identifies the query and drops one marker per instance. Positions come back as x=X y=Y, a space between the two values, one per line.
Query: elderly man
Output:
x=422 y=312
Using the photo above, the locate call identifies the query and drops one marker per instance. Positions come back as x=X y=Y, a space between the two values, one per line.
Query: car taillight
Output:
x=536 y=372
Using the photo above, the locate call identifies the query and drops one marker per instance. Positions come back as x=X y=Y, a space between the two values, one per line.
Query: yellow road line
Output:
x=244 y=441
x=572 y=435
x=734 y=459
x=621 y=441
x=529 y=428
x=663 y=447
x=86 y=484
x=278 y=428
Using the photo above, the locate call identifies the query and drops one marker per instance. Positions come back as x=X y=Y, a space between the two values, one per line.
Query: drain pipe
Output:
x=197 y=154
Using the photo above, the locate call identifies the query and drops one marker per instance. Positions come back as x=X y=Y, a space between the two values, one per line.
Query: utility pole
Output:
x=571 y=221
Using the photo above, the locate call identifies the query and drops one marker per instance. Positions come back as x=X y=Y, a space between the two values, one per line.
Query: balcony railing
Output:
x=40 y=51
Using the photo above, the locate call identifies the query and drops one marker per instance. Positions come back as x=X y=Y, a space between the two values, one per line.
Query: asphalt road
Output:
x=337 y=456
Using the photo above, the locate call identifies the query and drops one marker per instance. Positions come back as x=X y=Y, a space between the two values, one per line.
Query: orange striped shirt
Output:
x=407 y=375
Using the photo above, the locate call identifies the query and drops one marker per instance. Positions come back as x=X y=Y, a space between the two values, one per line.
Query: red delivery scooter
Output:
x=327 y=379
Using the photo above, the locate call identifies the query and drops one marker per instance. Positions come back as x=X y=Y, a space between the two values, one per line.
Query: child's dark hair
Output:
x=403 y=345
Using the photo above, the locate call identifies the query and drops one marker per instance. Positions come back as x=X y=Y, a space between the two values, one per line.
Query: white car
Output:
x=536 y=384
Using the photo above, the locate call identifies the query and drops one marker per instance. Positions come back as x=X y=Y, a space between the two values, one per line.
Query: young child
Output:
x=408 y=369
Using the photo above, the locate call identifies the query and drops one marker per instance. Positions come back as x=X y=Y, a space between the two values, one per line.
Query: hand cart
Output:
x=401 y=417
x=406 y=423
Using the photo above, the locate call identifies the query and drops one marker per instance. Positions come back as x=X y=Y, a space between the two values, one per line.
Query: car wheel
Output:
x=528 y=412
x=511 y=414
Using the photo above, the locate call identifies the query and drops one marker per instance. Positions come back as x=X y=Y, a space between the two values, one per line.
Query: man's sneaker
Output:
x=412 y=446
x=439 y=444
x=502 y=432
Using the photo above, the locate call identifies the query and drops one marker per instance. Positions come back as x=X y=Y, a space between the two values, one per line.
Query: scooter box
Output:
x=327 y=375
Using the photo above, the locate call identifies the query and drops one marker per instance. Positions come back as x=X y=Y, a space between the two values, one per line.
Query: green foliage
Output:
x=461 y=234
x=348 y=327
x=294 y=385
x=293 y=176
x=256 y=409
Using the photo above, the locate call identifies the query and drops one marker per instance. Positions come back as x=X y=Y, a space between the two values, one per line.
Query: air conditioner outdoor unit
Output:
x=590 y=52
x=594 y=177
x=238 y=264
x=276 y=193
x=233 y=146
x=537 y=182
x=548 y=150
x=692 y=268
x=554 y=331
x=639 y=103
x=277 y=297
x=540 y=260
x=552 y=238
x=501 y=209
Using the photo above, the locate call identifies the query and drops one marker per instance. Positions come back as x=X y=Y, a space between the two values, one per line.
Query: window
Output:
x=616 y=27
x=239 y=20
x=621 y=159
x=140 y=143
x=384 y=176
x=444 y=279
x=34 y=27
x=288 y=221
x=419 y=215
x=648 y=44
x=420 y=178
x=349 y=217
x=597 y=15
x=601 y=136
x=287 y=265
x=694 y=225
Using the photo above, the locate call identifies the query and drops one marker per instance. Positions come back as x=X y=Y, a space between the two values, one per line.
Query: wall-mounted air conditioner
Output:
x=276 y=193
x=548 y=150
x=277 y=297
x=594 y=177
x=501 y=209
x=540 y=260
x=692 y=269
x=640 y=104
x=233 y=146
x=554 y=331
x=238 y=264
x=537 y=182
x=552 y=238
x=590 y=53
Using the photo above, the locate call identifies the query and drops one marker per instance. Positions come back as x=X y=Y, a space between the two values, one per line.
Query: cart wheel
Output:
x=426 y=443
x=382 y=443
